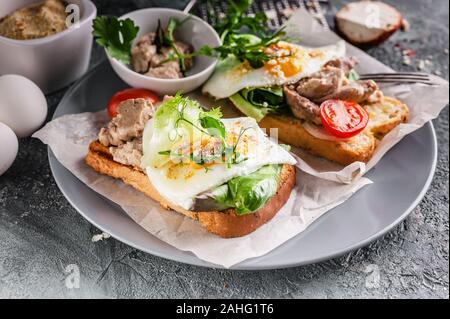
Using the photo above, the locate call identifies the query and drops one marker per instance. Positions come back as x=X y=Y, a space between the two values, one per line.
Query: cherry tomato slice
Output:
x=129 y=94
x=343 y=118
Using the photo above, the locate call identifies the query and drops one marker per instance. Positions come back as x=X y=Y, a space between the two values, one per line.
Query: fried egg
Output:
x=290 y=63
x=180 y=182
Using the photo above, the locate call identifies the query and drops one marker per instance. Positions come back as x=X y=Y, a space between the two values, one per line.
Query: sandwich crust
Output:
x=222 y=223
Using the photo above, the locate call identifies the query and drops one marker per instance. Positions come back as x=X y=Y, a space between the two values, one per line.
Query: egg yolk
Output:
x=286 y=61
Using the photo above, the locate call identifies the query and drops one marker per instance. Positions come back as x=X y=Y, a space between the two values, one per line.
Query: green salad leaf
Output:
x=272 y=98
x=250 y=192
x=258 y=102
x=116 y=36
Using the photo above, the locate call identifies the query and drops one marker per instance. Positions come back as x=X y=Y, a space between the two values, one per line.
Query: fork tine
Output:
x=399 y=73
x=396 y=75
x=395 y=78
x=405 y=81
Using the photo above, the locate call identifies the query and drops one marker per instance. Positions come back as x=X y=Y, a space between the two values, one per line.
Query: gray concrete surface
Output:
x=41 y=234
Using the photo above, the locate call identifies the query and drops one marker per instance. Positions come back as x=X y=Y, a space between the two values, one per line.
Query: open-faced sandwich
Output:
x=224 y=173
x=314 y=98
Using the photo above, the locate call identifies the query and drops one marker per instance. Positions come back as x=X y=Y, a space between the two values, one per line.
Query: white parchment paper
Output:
x=425 y=102
x=321 y=185
x=69 y=137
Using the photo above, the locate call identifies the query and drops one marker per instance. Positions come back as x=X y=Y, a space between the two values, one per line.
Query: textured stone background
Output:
x=40 y=233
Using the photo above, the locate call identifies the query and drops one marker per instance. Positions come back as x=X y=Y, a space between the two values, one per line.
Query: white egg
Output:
x=23 y=106
x=9 y=146
x=291 y=63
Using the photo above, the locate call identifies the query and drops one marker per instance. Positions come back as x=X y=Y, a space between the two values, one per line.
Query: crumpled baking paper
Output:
x=69 y=137
x=425 y=102
x=321 y=185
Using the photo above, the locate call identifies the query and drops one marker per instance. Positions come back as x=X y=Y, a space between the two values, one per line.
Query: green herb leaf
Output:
x=169 y=41
x=245 y=47
x=116 y=36
x=250 y=192
x=213 y=125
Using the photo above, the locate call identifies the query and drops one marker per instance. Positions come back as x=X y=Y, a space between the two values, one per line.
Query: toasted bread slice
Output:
x=223 y=223
x=383 y=117
x=386 y=115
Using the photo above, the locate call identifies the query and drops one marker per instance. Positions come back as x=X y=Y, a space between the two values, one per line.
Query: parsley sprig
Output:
x=235 y=19
x=116 y=36
x=165 y=38
x=243 y=47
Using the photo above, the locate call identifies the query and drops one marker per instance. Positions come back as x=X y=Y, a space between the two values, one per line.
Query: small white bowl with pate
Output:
x=193 y=31
x=53 y=61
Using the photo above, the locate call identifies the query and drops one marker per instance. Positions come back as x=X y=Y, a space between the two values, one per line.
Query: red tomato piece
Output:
x=343 y=118
x=129 y=94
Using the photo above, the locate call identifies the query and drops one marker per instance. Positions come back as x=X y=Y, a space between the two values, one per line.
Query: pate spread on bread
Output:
x=224 y=173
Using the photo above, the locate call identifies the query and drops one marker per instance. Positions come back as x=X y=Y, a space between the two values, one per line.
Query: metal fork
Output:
x=399 y=77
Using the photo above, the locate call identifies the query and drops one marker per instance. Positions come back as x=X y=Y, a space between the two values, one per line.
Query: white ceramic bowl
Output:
x=194 y=31
x=54 y=61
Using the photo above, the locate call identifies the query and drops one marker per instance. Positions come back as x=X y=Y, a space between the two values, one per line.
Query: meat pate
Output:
x=35 y=21
x=148 y=59
x=123 y=134
x=305 y=96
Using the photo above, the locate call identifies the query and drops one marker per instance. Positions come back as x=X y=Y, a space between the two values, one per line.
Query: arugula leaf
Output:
x=250 y=192
x=116 y=36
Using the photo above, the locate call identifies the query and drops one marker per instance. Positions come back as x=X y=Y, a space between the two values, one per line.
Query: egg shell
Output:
x=9 y=147
x=23 y=106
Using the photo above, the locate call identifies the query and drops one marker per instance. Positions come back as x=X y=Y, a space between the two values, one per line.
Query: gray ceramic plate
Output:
x=401 y=179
